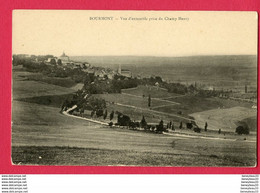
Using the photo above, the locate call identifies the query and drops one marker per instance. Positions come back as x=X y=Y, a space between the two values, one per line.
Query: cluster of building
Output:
x=102 y=73
x=64 y=60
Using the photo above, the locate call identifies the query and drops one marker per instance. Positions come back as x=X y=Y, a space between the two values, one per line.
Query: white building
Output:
x=64 y=58
x=124 y=72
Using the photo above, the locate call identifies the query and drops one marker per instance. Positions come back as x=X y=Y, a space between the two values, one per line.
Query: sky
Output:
x=78 y=33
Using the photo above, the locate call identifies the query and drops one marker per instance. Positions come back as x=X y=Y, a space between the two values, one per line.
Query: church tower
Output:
x=119 y=69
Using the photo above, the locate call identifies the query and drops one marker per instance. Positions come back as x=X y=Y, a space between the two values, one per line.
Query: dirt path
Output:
x=77 y=87
x=205 y=137
x=157 y=99
x=173 y=97
x=161 y=106
x=153 y=111
x=173 y=135
x=83 y=118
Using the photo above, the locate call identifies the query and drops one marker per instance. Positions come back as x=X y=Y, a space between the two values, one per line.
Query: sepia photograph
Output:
x=134 y=88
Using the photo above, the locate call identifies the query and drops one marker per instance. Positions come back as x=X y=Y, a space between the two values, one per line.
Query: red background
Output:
x=6 y=8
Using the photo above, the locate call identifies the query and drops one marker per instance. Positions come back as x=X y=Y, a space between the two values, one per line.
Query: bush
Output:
x=111 y=116
x=123 y=120
x=105 y=115
x=132 y=125
x=242 y=130
x=99 y=112
x=180 y=125
x=197 y=129
x=160 y=127
x=143 y=123
x=189 y=125
x=110 y=124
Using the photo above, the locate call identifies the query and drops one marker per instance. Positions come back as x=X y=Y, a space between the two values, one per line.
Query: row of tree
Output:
x=98 y=109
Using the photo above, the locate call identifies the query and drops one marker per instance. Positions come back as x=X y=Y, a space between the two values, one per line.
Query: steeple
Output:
x=64 y=57
x=119 y=69
x=63 y=54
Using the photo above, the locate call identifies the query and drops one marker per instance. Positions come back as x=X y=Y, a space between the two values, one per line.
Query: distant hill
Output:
x=221 y=71
x=113 y=61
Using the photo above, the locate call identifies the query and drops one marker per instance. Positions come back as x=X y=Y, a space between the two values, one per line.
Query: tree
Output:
x=105 y=115
x=180 y=125
x=172 y=127
x=53 y=61
x=160 y=127
x=132 y=125
x=242 y=130
x=99 y=112
x=97 y=104
x=111 y=115
x=206 y=126
x=149 y=100
x=59 y=62
x=92 y=114
x=189 y=125
x=123 y=120
x=81 y=111
x=143 y=123
x=219 y=131
x=245 y=88
x=197 y=129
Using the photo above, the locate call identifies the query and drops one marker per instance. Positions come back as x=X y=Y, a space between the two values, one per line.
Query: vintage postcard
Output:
x=134 y=88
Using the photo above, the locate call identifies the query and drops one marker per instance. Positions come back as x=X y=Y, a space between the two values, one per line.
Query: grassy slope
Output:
x=26 y=89
x=224 y=119
x=191 y=104
x=50 y=100
x=92 y=156
x=64 y=82
x=250 y=122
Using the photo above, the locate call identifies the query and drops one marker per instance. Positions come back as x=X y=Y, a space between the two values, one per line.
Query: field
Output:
x=228 y=117
x=23 y=87
x=198 y=154
x=219 y=113
x=42 y=135
x=133 y=100
x=145 y=91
